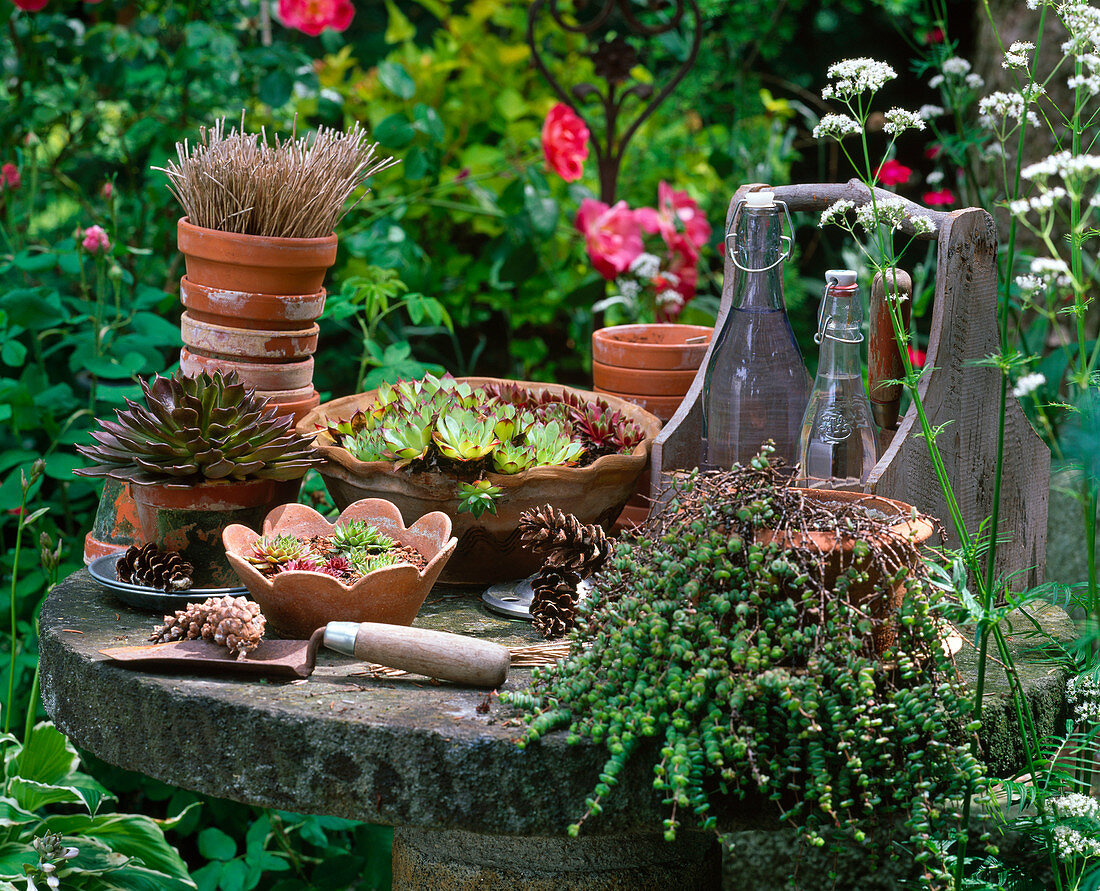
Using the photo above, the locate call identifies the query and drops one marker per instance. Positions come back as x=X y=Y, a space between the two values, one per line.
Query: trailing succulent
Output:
x=194 y=430
x=451 y=426
x=753 y=678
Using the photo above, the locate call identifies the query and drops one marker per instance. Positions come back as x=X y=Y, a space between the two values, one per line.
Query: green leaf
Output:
x=13 y=856
x=395 y=131
x=276 y=88
x=396 y=79
x=34 y=261
x=511 y=104
x=13 y=353
x=33 y=796
x=216 y=845
x=209 y=877
x=47 y=757
x=109 y=367
x=417 y=163
x=542 y=210
x=157 y=330
x=130 y=834
x=428 y=121
x=399 y=29
x=12 y=814
x=60 y=465
x=234 y=875
x=256 y=837
x=271 y=861
x=33 y=308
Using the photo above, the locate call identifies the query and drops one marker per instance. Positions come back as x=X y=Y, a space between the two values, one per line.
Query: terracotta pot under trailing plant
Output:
x=201 y=453
x=651 y=365
x=485 y=493
x=302 y=585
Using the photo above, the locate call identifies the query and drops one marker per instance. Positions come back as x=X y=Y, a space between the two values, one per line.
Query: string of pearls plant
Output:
x=733 y=667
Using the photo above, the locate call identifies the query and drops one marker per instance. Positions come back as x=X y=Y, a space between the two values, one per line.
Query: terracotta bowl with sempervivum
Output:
x=483 y=451
x=366 y=566
x=201 y=453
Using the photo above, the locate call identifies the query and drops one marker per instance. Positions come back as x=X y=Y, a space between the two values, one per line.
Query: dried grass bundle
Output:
x=296 y=188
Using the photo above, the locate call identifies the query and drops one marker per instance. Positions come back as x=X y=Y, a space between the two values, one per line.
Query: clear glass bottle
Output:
x=756 y=383
x=837 y=445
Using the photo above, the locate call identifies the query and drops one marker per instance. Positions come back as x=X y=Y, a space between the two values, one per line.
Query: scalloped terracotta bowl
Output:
x=489 y=548
x=297 y=603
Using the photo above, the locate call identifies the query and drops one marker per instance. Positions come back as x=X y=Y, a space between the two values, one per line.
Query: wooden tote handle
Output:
x=435 y=654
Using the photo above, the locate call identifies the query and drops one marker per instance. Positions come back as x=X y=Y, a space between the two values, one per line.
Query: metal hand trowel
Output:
x=436 y=654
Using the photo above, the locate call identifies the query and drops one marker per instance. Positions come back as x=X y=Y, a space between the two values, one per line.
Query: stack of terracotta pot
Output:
x=652 y=366
x=252 y=304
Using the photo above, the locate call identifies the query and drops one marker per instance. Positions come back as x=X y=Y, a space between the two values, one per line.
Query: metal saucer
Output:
x=102 y=569
x=513 y=599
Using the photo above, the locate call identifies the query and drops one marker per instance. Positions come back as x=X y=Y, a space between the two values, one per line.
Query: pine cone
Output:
x=148 y=565
x=554 y=606
x=563 y=540
x=234 y=622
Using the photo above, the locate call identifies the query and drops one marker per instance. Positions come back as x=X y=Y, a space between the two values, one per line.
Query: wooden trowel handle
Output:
x=435 y=654
x=883 y=357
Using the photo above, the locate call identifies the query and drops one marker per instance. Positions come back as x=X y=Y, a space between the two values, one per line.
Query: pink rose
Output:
x=31 y=5
x=676 y=214
x=9 y=177
x=917 y=358
x=313 y=16
x=612 y=236
x=893 y=173
x=938 y=199
x=94 y=239
x=565 y=142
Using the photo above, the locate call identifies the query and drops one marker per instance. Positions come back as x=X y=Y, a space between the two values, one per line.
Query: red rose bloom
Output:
x=314 y=16
x=939 y=199
x=893 y=173
x=565 y=142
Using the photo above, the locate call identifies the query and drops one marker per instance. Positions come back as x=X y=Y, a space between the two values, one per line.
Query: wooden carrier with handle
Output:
x=956 y=392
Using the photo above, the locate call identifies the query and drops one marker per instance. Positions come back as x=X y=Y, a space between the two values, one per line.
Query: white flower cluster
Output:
x=888 y=212
x=1082 y=23
x=1083 y=694
x=836 y=125
x=923 y=225
x=629 y=289
x=1076 y=804
x=670 y=299
x=1071 y=843
x=1029 y=383
x=956 y=65
x=1016 y=55
x=836 y=212
x=1051 y=269
x=898 y=120
x=1000 y=106
x=928 y=112
x=1030 y=284
x=1070 y=167
x=934 y=178
x=646 y=265
x=854 y=76
x=1044 y=201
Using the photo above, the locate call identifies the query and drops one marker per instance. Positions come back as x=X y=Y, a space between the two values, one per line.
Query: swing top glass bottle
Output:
x=756 y=385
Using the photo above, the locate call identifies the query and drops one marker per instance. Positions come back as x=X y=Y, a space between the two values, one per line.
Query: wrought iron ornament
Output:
x=608 y=24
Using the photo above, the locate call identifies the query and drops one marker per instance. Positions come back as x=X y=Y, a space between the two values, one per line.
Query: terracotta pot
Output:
x=488 y=549
x=253 y=344
x=297 y=406
x=265 y=376
x=190 y=519
x=653 y=367
x=296 y=603
x=839 y=554
x=116 y=525
x=255 y=264
x=241 y=309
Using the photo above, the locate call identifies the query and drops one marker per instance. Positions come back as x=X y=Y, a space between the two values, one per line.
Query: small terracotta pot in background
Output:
x=245 y=309
x=255 y=264
x=116 y=525
x=653 y=367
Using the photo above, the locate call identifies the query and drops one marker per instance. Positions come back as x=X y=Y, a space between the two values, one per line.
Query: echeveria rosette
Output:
x=195 y=430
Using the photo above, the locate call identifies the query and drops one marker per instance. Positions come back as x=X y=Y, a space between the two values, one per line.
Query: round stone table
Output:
x=470 y=809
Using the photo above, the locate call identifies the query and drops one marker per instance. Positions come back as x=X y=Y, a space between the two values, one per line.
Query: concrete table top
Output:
x=406 y=751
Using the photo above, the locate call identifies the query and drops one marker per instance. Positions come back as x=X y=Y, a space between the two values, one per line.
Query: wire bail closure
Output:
x=823 y=323
x=786 y=240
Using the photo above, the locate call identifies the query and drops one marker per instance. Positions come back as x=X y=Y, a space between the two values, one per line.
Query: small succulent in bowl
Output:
x=368 y=566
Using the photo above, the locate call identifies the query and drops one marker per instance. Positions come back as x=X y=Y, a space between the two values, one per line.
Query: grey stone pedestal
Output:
x=472 y=809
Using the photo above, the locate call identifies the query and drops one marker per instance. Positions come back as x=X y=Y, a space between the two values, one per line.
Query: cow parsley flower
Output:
x=923 y=225
x=836 y=125
x=1083 y=695
x=934 y=178
x=955 y=65
x=999 y=106
x=835 y=213
x=928 y=112
x=1071 y=843
x=975 y=81
x=645 y=265
x=854 y=76
x=1029 y=383
x=898 y=120
x=1016 y=55
x=889 y=212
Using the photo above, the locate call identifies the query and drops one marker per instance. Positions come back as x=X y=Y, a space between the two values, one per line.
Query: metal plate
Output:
x=102 y=569
x=513 y=599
